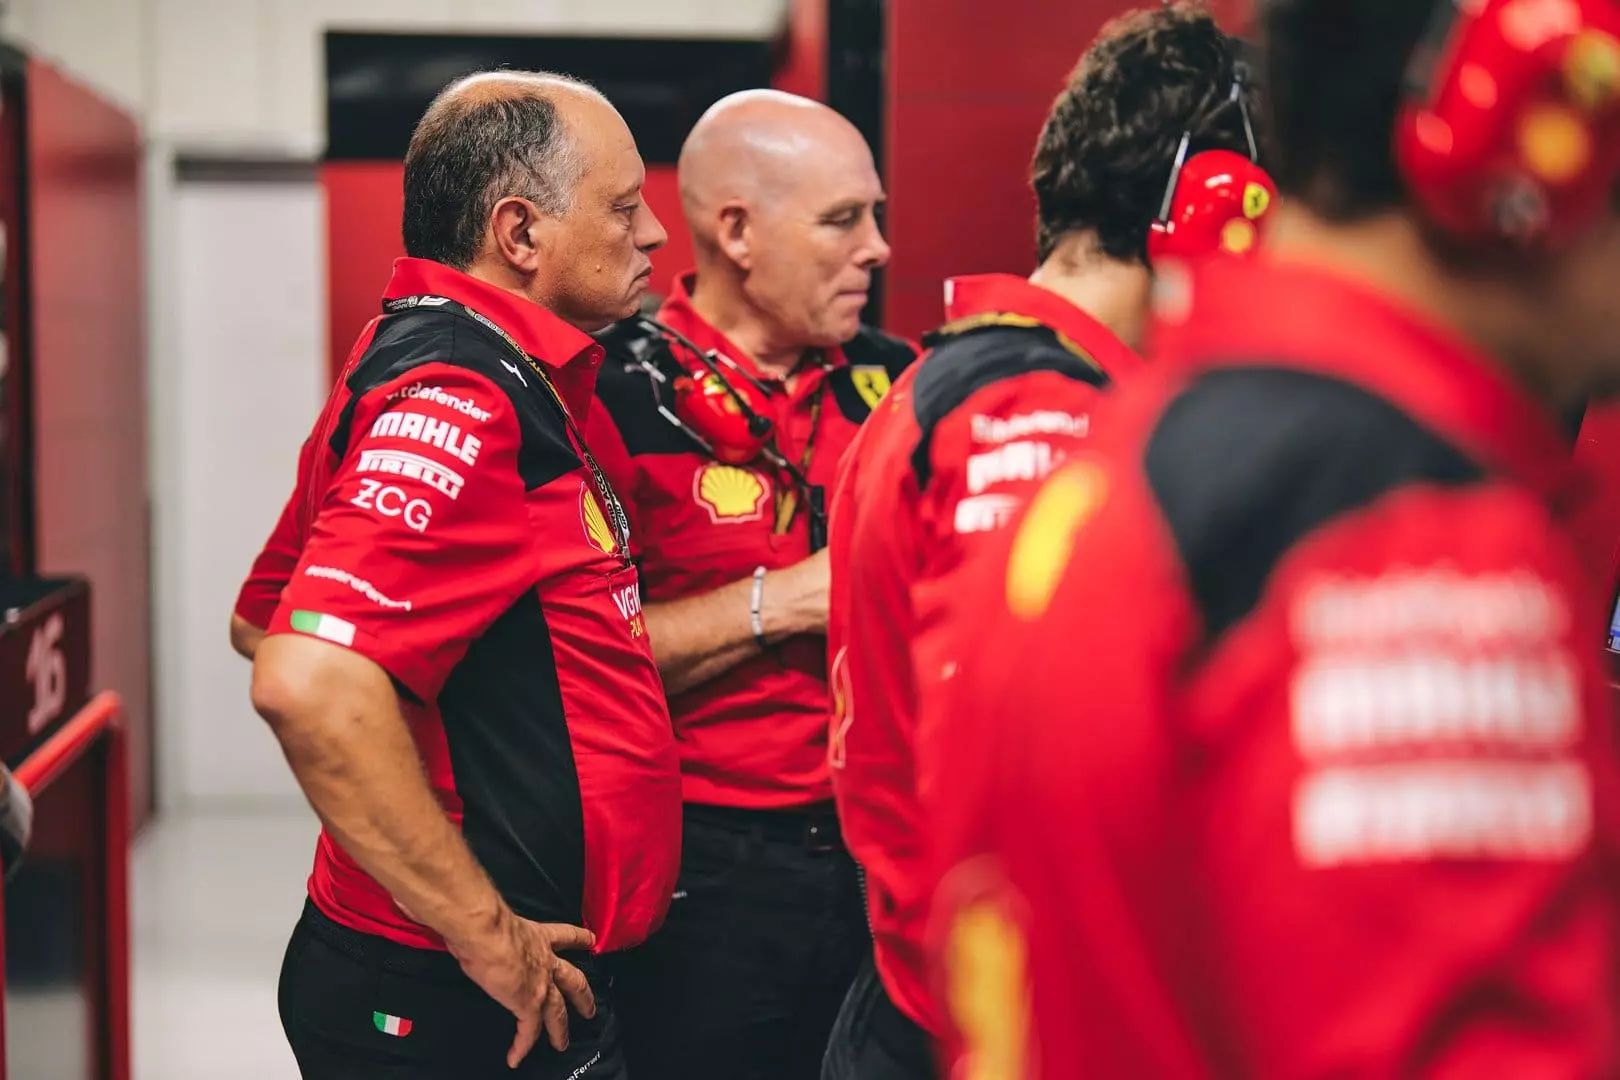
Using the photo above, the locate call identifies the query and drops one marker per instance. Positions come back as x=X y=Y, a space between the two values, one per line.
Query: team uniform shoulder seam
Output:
x=961 y=365
x=1245 y=463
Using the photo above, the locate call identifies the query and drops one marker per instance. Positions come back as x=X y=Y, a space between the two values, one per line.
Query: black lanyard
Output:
x=787 y=502
x=618 y=520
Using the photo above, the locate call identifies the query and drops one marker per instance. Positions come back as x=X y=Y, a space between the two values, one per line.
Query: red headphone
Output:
x=730 y=416
x=1216 y=202
x=716 y=403
x=1510 y=129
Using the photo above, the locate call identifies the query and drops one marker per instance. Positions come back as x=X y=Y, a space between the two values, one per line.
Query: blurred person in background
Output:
x=1008 y=389
x=1286 y=750
x=451 y=663
x=722 y=427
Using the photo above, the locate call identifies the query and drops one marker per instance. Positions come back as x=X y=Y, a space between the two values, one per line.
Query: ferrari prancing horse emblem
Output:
x=870 y=382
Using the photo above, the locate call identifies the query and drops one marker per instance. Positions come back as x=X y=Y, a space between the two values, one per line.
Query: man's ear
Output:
x=522 y=235
x=735 y=236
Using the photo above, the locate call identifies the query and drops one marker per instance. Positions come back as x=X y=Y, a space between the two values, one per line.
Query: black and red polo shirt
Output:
x=446 y=525
x=1007 y=390
x=1284 y=748
x=755 y=736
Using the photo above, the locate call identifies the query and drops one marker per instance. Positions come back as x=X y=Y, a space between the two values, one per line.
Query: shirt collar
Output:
x=1008 y=294
x=678 y=313
x=1233 y=312
x=543 y=335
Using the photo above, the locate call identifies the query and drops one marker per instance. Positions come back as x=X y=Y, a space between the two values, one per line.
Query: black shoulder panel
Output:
x=875 y=360
x=423 y=336
x=871 y=347
x=962 y=364
x=626 y=389
x=1247 y=462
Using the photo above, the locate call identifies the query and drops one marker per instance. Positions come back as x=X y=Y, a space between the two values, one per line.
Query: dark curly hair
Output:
x=1109 y=143
x=1333 y=73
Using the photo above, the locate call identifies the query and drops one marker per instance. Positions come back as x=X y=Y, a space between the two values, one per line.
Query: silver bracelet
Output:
x=754 y=622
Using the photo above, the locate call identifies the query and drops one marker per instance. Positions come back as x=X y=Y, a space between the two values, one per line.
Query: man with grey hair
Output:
x=446 y=625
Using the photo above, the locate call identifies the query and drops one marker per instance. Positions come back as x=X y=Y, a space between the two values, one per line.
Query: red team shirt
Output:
x=445 y=526
x=1005 y=393
x=755 y=736
x=1282 y=749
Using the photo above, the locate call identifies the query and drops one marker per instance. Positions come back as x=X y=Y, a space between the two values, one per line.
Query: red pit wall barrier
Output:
x=81 y=772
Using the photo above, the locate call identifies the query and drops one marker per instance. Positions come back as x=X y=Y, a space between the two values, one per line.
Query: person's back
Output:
x=1288 y=753
x=1011 y=385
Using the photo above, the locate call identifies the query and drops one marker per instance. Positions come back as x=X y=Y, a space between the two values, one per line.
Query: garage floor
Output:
x=214 y=900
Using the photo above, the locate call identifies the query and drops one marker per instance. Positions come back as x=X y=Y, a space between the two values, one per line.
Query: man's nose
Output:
x=877 y=249
x=650 y=233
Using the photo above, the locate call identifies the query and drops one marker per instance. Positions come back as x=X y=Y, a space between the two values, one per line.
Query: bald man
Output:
x=439 y=628
x=766 y=929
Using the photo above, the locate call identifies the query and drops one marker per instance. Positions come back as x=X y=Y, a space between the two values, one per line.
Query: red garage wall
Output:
x=89 y=373
x=967 y=95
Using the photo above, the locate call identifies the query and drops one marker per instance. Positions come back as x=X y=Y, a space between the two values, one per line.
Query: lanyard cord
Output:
x=618 y=520
x=787 y=504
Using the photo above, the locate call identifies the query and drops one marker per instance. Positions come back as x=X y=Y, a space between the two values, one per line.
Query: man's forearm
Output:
x=245 y=637
x=355 y=759
x=697 y=638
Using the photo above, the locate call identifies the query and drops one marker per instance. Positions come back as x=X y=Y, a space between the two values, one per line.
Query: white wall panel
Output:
x=102 y=42
x=247 y=377
x=247 y=74
x=209 y=72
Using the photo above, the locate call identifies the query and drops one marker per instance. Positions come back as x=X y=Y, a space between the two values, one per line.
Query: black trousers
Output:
x=762 y=941
x=339 y=988
x=874 y=1040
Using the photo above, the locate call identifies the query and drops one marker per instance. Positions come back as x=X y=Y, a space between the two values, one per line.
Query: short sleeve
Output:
x=422 y=538
x=274 y=565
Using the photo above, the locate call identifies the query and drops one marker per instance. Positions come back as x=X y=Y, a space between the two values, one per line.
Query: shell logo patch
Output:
x=871 y=383
x=730 y=494
x=597 y=530
x=988 y=991
x=1256 y=200
x=1045 y=540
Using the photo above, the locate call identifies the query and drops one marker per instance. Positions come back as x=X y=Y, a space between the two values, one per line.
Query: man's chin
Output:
x=842 y=331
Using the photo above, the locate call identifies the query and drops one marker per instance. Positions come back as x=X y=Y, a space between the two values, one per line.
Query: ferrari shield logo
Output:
x=842 y=713
x=1256 y=200
x=871 y=383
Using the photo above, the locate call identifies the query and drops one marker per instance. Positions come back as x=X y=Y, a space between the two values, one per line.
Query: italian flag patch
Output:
x=329 y=627
x=397 y=1026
